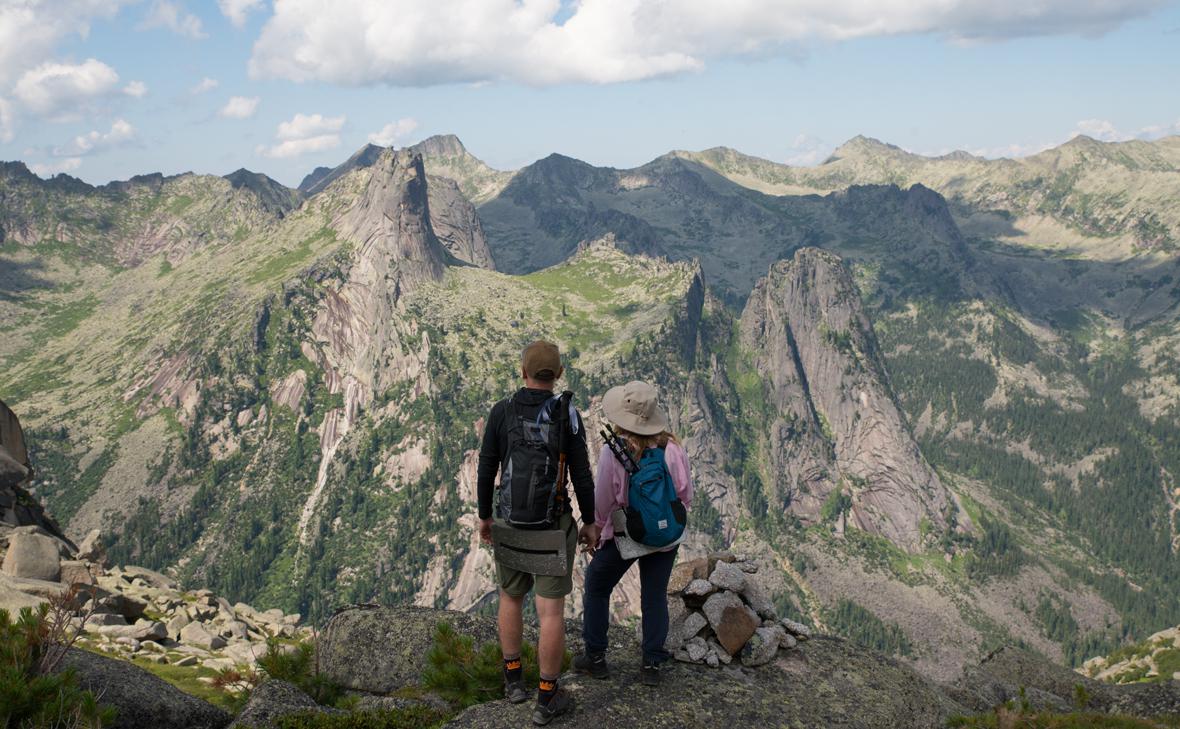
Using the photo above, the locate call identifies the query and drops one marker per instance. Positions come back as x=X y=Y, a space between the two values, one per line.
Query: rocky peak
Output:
x=391 y=220
x=274 y=196
x=838 y=444
x=861 y=146
x=440 y=145
x=321 y=177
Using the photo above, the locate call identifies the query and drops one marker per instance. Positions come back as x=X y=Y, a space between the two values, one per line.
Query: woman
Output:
x=634 y=411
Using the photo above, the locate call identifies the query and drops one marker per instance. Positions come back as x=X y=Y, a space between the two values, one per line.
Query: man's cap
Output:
x=635 y=407
x=541 y=360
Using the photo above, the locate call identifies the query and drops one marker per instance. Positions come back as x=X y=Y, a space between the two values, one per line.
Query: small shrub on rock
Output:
x=33 y=694
x=465 y=676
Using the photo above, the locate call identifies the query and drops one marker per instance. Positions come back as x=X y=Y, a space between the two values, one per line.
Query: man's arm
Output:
x=489 y=462
x=578 y=459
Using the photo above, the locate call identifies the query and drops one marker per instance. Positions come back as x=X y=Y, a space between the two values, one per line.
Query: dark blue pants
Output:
x=604 y=572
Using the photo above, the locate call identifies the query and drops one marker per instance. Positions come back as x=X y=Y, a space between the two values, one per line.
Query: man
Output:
x=536 y=403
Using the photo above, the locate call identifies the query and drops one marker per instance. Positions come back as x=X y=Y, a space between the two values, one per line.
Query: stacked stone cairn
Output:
x=720 y=613
x=133 y=612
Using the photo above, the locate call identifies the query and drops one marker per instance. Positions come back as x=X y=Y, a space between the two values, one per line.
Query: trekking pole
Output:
x=563 y=425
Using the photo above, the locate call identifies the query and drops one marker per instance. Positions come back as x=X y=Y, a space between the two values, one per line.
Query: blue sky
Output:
x=107 y=93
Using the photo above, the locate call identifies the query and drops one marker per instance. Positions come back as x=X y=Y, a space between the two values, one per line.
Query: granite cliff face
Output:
x=835 y=427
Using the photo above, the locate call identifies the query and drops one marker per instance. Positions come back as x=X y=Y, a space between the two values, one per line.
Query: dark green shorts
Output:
x=517 y=584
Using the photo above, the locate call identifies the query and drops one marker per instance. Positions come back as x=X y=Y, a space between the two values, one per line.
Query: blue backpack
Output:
x=655 y=515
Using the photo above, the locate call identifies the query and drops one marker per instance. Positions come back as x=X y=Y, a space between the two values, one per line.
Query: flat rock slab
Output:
x=379 y=649
x=826 y=682
x=142 y=699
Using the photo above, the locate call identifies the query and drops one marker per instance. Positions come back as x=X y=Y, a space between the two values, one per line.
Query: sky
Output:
x=106 y=89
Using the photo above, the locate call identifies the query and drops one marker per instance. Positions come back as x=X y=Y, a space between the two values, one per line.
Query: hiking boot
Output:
x=559 y=704
x=649 y=674
x=593 y=664
x=515 y=691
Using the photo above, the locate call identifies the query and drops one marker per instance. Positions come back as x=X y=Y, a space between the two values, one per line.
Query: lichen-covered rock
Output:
x=761 y=648
x=142 y=700
x=380 y=649
x=693 y=624
x=273 y=700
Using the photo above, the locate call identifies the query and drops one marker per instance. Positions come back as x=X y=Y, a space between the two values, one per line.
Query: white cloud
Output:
x=53 y=88
x=121 y=134
x=410 y=43
x=808 y=150
x=137 y=89
x=31 y=29
x=6 y=121
x=1100 y=129
x=174 y=17
x=1155 y=131
x=393 y=131
x=239 y=107
x=237 y=10
x=305 y=133
x=205 y=84
x=49 y=169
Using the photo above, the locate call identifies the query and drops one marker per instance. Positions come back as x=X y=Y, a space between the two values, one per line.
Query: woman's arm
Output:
x=606 y=488
x=677 y=461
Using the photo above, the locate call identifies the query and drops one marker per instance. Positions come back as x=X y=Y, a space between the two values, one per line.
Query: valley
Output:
x=940 y=394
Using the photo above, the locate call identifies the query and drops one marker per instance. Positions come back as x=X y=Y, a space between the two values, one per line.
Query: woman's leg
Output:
x=604 y=572
x=654 y=571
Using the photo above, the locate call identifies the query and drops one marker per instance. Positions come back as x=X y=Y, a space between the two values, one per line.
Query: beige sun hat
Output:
x=635 y=407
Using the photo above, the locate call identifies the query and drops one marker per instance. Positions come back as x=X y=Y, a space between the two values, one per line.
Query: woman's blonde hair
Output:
x=640 y=443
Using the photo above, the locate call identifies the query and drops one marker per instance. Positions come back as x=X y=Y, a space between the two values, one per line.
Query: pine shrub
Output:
x=33 y=694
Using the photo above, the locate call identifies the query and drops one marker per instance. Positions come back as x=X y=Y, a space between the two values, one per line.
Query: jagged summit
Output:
x=321 y=177
x=273 y=195
x=440 y=145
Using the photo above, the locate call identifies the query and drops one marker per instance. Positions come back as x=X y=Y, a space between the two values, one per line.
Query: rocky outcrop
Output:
x=18 y=508
x=833 y=423
x=142 y=700
x=826 y=682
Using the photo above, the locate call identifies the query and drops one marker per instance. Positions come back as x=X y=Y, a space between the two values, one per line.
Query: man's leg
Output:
x=551 y=612
x=511 y=624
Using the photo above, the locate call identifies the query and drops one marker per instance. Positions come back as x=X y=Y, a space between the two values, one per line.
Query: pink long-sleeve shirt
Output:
x=610 y=486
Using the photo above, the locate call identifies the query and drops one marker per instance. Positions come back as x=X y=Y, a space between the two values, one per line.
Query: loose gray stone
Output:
x=714 y=607
x=728 y=577
x=142 y=630
x=759 y=601
x=700 y=588
x=197 y=635
x=693 y=623
x=799 y=630
x=697 y=649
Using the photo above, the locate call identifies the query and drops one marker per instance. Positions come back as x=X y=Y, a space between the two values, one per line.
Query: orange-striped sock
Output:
x=513 y=669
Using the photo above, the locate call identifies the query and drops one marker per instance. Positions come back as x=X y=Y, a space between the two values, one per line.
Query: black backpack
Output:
x=531 y=491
